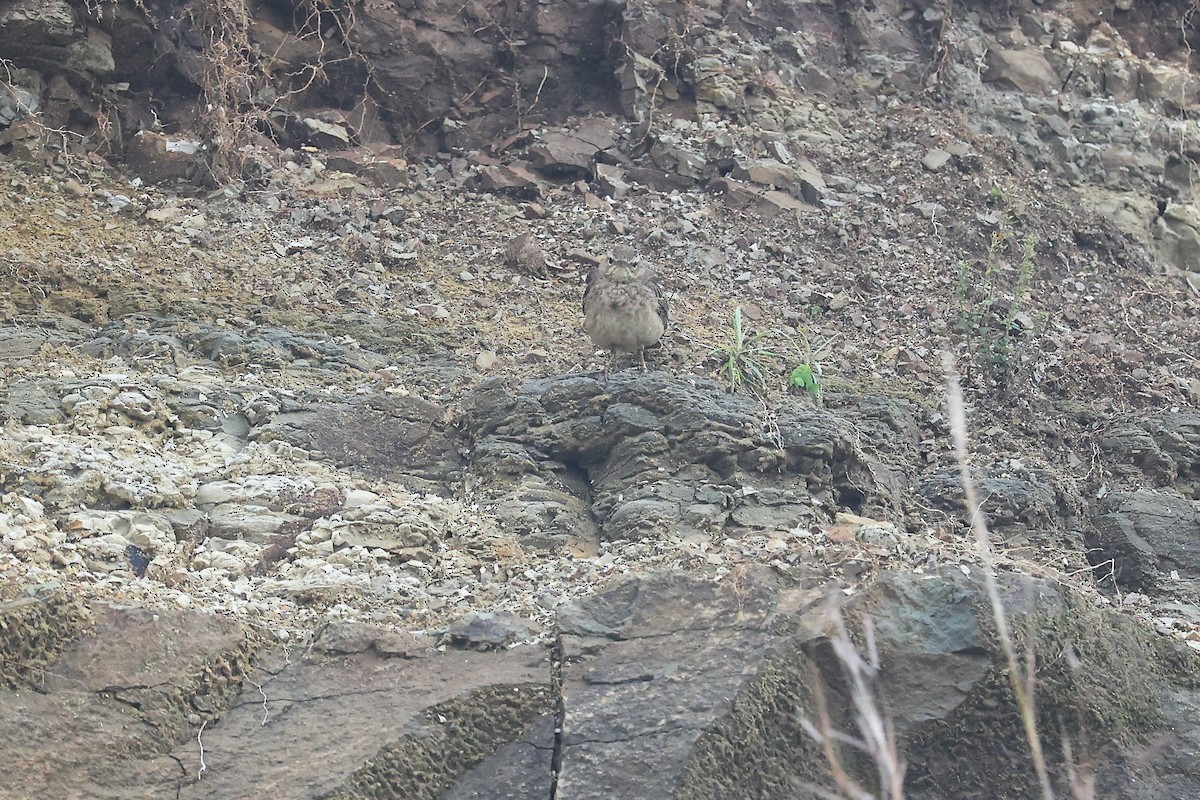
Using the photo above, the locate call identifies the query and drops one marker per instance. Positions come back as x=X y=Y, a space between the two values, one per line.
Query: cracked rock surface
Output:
x=312 y=485
x=665 y=685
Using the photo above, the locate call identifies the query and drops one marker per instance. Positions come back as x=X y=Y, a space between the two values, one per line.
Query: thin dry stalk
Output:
x=1083 y=783
x=825 y=735
x=877 y=735
x=1022 y=679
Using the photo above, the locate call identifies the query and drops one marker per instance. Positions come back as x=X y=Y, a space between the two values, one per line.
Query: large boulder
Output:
x=187 y=704
x=678 y=687
x=664 y=685
x=1148 y=540
x=635 y=455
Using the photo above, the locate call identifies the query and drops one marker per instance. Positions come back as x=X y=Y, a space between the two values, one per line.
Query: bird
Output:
x=523 y=255
x=624 y=309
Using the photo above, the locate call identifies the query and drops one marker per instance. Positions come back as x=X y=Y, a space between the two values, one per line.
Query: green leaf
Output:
x=801 y=376
x=805 y=378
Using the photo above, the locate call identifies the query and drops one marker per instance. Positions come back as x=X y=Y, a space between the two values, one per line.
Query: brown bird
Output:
x=523 y=255
x=624 y=309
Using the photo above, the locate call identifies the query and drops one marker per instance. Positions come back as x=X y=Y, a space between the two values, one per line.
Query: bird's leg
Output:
x=642 y=355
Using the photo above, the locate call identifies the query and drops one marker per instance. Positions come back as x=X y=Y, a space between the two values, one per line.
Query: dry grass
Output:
x=1021 y=677
x=876 y=733
x=243 y=90
x=877 y=737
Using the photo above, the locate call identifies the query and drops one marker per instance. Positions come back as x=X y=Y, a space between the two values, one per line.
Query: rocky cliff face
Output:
x=311 y=484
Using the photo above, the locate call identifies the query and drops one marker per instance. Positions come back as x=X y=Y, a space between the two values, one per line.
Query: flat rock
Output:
x=391 y=173
x=935 y=159
x=159 y=158
x=767 y=203
x=650 y=668
x=418 y=726
x=382 y=435
x=119 y=696
x=1145 y=536
x=765 y=171
x=564 y=155
x=650 y=455
x=674 y=686
x=1163 y=449
x=1022 y=506
x=611 y=180
x=184 y=704
x=510 y=179
x=1026 y=70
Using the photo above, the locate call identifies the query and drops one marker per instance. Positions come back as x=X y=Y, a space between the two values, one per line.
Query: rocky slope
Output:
x=293 y=435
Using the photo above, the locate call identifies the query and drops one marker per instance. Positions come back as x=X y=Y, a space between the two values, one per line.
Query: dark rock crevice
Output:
x=660 y=455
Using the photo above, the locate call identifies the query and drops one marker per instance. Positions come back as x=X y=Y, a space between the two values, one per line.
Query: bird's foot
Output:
x=609 y=362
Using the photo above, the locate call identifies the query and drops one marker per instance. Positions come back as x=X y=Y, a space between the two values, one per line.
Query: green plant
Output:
x=746 y=356
x=806 y=375
x=989 y=310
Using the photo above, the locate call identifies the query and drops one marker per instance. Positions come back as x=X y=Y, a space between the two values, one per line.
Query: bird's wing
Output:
x=663 y=307
x=593 y=279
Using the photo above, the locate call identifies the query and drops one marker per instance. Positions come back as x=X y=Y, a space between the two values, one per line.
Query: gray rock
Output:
x=679 y=159
x=382 y=170
x=19 y=102
x=91 y=54
x=326 y=134
x=935 y=159
x=381 y=435
x=172 y=705
x=159 y=158
x=1146 y=535
x=768 y=203
x=715 y=676
x=520 y=770
x=345 y=638
x=765 y=171
x=510 y=179
x=650 y=667
x=573 y=154
x=1178 y=234
x=640 y=517
x=453 y=711
x=38 y=625
x=712 y=82
x=888 y=426
x=32 y=403
x=36 y=26
x=1026 y=70
x=658 y=179
x=1022 y=507
x=269 y=346
x=611 y=180
x=635 y=450
x=1163 y=82
x=484 y=630
x=134 y=682
x=247 y=523
x=678 y=687
x=1163 y=449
